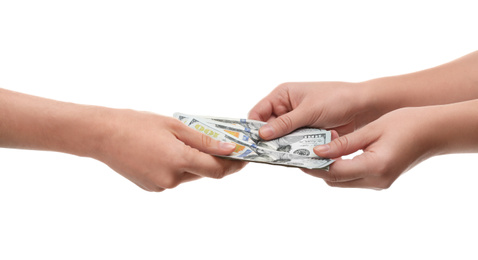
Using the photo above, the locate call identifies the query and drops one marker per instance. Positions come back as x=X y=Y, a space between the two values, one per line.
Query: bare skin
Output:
x=380 y=117
x=398 y=141
x=347 y=106
x=153 y=151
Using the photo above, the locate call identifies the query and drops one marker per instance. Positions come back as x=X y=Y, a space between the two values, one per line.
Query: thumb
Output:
x=283 y=125
x=204 y=143
x=343 y=145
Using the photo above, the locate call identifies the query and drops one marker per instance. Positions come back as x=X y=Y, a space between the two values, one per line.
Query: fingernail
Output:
x=226 y=146
x=322 y=148
x=266 y=131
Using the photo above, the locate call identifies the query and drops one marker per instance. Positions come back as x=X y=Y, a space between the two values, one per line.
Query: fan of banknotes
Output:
x=294 y=149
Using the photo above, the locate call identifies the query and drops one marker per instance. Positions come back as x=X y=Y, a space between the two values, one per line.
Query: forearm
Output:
x=454 y=128
x=398 y=141
x=452 y=82
x=30 y=122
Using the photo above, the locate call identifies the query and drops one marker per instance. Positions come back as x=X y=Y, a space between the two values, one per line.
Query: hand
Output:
x=157 y=152
x=154 y=152
x=391 y=145
x=331 y=105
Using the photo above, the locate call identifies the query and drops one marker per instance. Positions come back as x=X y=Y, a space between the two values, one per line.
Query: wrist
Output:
x=88 y=132
x=440 y=129
x=378 y=97
x=369 y=102
x=454 y=127
x=360 y=97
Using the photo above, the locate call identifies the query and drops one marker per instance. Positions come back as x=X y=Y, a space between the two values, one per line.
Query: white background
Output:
x=220 y=58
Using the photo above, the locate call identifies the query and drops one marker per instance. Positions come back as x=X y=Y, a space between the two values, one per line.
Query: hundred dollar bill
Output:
x=251 y=152
x=246 y=123
x=242 y=147
x=301 y=141
x=294 y=149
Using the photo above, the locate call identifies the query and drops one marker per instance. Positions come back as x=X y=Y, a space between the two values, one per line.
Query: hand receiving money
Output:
x=294 y=149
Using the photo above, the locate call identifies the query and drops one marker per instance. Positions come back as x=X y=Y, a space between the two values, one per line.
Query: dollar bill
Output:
x=294 y=149
x=246 y=123
x=301 y=141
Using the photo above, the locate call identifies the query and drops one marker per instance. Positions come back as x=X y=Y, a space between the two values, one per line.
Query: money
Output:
x=294 y=149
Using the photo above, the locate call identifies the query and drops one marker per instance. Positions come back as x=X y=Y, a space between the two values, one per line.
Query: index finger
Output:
x=262 y=111
x=346 y=170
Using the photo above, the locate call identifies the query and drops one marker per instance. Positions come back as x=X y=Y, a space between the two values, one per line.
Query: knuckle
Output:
x=185 y=158
x=284 y=122
x=168 y=182
x=288 y=85
x=385 y=184
x=158 y=189
x=174 y=123
x=381 y=170
x=172 y=183
x=182 y=163
x=342 y=143
x=284 y=85
x=233 y=166
x=206 y=141
x=237 y=166
x=219 y=173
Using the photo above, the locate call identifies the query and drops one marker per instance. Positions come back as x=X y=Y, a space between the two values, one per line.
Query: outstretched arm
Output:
x=153 y=151
x=398 y=141
x=452 y=82
x=348 y=106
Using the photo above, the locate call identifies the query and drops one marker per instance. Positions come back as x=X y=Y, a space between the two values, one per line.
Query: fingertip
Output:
x=322 y=150
x=261 y=111
x=334 y=134
x=226 y=148
x=231 y=166
x=254 y=115
x=267 y=132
